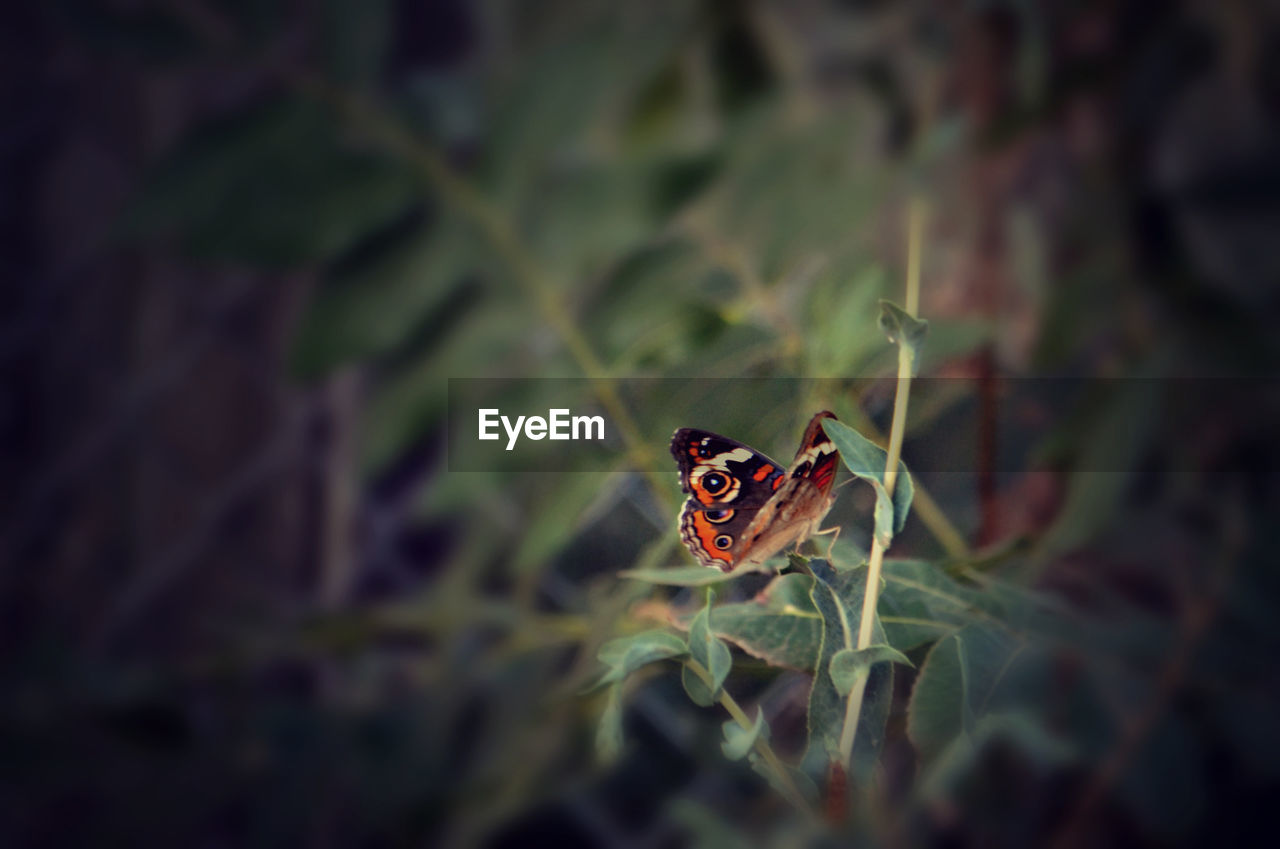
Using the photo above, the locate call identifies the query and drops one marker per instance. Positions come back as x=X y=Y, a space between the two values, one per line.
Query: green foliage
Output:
x=781 y=626
x=607 y=192
x=957 y=684
x=371 y=309
x=920 y=602
x=738 y=741
x=689 y=576
x=708 y=650
x=836 y=597
x=1020 y=731
x=277 y=186
x=609 y=732
x=846 y=663
x=843 y=341
x=867 y=460
x=901 y=327
x=625 y=655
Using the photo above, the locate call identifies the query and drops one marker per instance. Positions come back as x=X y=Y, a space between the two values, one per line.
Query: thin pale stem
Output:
x=933 y=518
x=906 y=366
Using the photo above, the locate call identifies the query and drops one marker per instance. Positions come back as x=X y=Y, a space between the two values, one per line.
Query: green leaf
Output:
x=276 y=186
x=780 y=625
x=883 y=515
x=837 y=598
x=738 y=740
x=842 y=312
x=629 y=316
x=710 y=651
x=689 y=576
x=609 y=731
x=561 y=81
x=790 y=194
x=414 y=284
x=867 y=461
x=846 y=662
x=1034 y=612
x=920 y=602
x=826 y=706
x=588 y=215
x=627 y=654
x=956 y=686
x=901 y=327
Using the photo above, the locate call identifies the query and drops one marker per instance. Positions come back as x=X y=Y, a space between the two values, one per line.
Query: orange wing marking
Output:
x=707 y=534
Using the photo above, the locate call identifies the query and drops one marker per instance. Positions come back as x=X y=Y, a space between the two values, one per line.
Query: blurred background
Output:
x=246 y=602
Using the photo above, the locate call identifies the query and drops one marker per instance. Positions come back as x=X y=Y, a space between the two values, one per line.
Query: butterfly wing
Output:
x=816 y=459
x=800 y=501
x=728 y=483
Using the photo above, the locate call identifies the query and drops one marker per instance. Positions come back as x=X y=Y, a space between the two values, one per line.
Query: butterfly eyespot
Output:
x=715 y=483
x=782 y=503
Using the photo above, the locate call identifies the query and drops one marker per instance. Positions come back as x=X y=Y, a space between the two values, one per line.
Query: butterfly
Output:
x=744 y=507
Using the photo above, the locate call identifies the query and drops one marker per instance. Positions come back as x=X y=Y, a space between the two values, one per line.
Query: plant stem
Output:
x=762 y=746
x=906 y=366
x=931 y=515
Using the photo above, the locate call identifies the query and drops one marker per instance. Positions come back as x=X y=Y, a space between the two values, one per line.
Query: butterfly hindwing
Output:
x=816 y=458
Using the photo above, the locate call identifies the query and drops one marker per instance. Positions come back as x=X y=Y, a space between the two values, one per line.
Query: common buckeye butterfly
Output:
x=744 y=507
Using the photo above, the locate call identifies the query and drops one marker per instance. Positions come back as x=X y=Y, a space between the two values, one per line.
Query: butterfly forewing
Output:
x=727 y=483
x=743 y=507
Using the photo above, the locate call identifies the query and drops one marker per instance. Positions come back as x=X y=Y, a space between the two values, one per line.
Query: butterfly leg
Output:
x=814 y=532
x=835 y=535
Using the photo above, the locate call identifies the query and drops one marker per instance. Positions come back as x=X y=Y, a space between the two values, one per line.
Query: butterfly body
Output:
x=744 y=507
